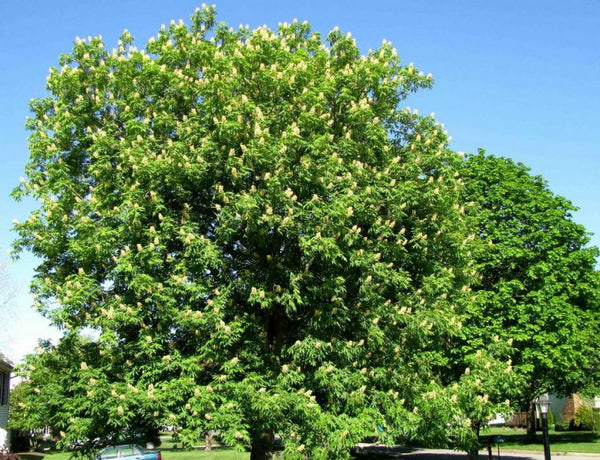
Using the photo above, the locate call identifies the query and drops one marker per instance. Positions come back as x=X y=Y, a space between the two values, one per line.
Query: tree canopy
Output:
x=263 y=240
x=539 y=286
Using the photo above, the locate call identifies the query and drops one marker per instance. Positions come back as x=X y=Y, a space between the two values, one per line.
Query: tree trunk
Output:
x=262 y=446
x=208 y=440
x=531 y=422
x=473 y=454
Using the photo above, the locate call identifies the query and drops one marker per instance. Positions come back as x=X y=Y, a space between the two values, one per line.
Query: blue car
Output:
x=129 y=452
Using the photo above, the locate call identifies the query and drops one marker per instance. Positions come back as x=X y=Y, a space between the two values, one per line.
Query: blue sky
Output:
x=518 y=78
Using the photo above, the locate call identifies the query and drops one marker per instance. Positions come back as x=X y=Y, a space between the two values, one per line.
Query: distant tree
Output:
x=264 y=241
x=539 y=286
x=7 y=295
x=7 y=290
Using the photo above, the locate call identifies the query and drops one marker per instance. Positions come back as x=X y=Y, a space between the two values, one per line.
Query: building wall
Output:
x=557 y=406
x=5 y=369
x=3 y=432
x=3 y=416
x=573 y=403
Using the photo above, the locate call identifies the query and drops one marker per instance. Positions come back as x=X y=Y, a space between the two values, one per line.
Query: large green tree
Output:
x=263 y=240
x=539 y=286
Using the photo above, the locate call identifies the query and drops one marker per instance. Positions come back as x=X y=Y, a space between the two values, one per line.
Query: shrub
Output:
x=550 y=419
x=562 y=426
x=586 y=419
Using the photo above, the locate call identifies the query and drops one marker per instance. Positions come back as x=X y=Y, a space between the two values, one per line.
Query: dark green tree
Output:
x=539 y=286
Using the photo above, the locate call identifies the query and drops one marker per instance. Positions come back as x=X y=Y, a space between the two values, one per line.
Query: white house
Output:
x=5 y=369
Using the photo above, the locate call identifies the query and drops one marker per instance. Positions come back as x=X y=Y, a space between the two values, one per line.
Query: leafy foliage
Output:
x=539 y=287
x=262 y=239
x=53 y=394
x=586 y=418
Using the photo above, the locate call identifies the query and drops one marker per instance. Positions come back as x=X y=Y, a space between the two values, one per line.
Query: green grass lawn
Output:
x=560 y=441
x=217 y=454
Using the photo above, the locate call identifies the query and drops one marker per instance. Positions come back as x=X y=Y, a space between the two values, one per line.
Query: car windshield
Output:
x=119 y=451
x=128 y=450
x=110 y=452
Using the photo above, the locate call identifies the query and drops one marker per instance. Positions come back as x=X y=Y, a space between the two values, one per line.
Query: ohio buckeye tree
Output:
x=262 y=239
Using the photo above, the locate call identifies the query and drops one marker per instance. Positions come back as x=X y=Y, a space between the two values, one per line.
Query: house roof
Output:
x=5 y=366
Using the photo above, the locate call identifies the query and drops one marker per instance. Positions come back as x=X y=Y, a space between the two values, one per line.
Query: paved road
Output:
x=432 y=454
x=441 y=454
